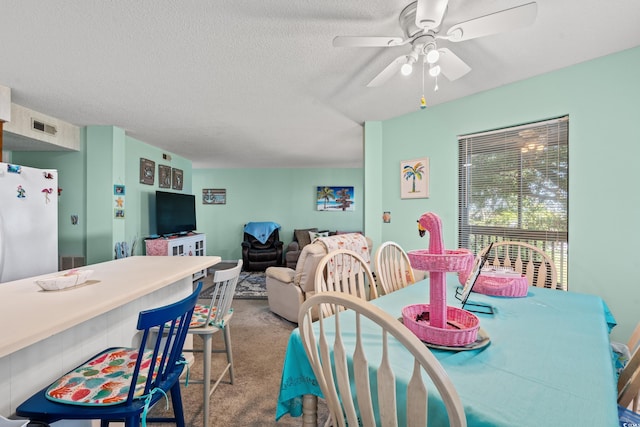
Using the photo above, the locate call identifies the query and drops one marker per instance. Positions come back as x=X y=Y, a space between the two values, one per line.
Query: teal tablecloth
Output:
x=548 y=364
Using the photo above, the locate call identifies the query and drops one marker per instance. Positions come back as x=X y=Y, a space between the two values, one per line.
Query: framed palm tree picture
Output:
x=334 y=198
x=414 y=178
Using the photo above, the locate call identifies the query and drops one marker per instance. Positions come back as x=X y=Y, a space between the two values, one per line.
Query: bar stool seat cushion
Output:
x=201 y=313
x=102 y=380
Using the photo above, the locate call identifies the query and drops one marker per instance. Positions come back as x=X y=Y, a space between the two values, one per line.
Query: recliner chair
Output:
x=261 y=246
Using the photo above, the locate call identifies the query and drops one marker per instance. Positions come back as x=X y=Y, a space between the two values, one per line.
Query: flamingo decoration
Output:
x=450 y=326
x=437 y=293
x=431 y=222
x=46 y=192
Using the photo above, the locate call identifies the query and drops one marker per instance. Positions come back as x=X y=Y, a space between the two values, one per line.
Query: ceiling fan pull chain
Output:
x=423 y=102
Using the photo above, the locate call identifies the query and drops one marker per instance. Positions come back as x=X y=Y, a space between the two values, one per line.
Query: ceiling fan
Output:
x=421 y=23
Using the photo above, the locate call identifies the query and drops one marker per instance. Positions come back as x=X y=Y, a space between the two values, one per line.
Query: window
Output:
x=513 y=185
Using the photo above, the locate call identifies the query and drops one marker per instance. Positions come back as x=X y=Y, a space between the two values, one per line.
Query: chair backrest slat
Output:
x=387 y=403
x=361 y=376
x=416 y=394
x=325 y=376
x=342 y=375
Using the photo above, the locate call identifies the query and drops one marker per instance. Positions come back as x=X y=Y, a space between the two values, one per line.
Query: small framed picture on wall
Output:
x=177 y=179
x=414 y=179
x=147 y=171
x=214 y=196
x=164 y=176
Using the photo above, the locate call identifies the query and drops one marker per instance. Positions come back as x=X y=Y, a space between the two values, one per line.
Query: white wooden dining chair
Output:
x=629 y=381
x=206 y=321
x=343 y=270
x=346 y=382
x=628 y=351
x=526 y=259
x=392 y=267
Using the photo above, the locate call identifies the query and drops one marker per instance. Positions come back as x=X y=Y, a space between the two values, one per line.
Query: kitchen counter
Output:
x=47 y=333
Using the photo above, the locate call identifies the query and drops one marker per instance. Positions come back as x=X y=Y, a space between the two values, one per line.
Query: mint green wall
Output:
x=600 y=97
x=373 y=178
x=87 y=178
x=102 y=144
x=71 y=179
x=286 y=196
x=140 y=198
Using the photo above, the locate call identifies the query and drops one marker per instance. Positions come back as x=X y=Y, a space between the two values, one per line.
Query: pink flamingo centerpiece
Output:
x=443 y=325
x=437 y=293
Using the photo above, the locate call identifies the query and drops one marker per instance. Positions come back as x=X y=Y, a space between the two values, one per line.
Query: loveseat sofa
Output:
x=288 y=288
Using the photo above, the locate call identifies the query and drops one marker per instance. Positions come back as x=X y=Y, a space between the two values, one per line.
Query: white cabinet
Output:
x=192 y=244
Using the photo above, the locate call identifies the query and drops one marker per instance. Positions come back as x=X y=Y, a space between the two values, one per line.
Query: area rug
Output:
x=251 y=285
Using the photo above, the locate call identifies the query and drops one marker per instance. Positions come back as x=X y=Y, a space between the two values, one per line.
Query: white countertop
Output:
x=29 y=314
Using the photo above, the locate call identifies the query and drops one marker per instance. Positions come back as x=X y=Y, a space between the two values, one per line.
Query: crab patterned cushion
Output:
x=104 y=380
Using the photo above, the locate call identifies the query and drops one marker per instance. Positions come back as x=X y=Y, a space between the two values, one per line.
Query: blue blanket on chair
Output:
x=261 y=230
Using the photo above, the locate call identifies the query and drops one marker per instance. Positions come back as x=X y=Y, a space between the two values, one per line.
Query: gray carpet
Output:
x=259 y=341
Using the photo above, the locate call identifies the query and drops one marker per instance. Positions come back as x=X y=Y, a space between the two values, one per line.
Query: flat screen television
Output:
x=175 y=213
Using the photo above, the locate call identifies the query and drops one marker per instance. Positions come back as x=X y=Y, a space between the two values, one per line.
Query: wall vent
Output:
x=43 y=127
x=69 y=262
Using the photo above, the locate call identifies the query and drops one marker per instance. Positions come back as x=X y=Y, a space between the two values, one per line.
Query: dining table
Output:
x=548 y=361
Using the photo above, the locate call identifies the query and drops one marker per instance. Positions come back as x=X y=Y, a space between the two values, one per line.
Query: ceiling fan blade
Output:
x=389 y=71
x=451 y=65
x=363 y=41
x=429 y=13
x=498 y=22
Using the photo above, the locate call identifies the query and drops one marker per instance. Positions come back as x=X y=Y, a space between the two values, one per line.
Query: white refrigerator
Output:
x=28 y=221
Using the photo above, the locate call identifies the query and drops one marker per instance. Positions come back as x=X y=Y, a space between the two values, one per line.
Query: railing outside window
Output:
x=556 y=246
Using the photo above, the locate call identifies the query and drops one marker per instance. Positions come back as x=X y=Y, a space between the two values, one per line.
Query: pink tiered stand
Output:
x=442 y=325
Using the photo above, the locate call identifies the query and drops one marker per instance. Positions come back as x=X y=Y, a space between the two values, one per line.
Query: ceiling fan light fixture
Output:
x=432 y=56
x=434 y=71
x=407 y=67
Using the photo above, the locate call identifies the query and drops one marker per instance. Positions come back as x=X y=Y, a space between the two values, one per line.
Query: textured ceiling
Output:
x=248 y=83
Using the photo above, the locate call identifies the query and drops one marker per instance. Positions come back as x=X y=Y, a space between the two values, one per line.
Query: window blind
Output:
x=513 y=185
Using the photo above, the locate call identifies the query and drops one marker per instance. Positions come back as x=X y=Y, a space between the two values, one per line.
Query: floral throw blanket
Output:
x=352 y=241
